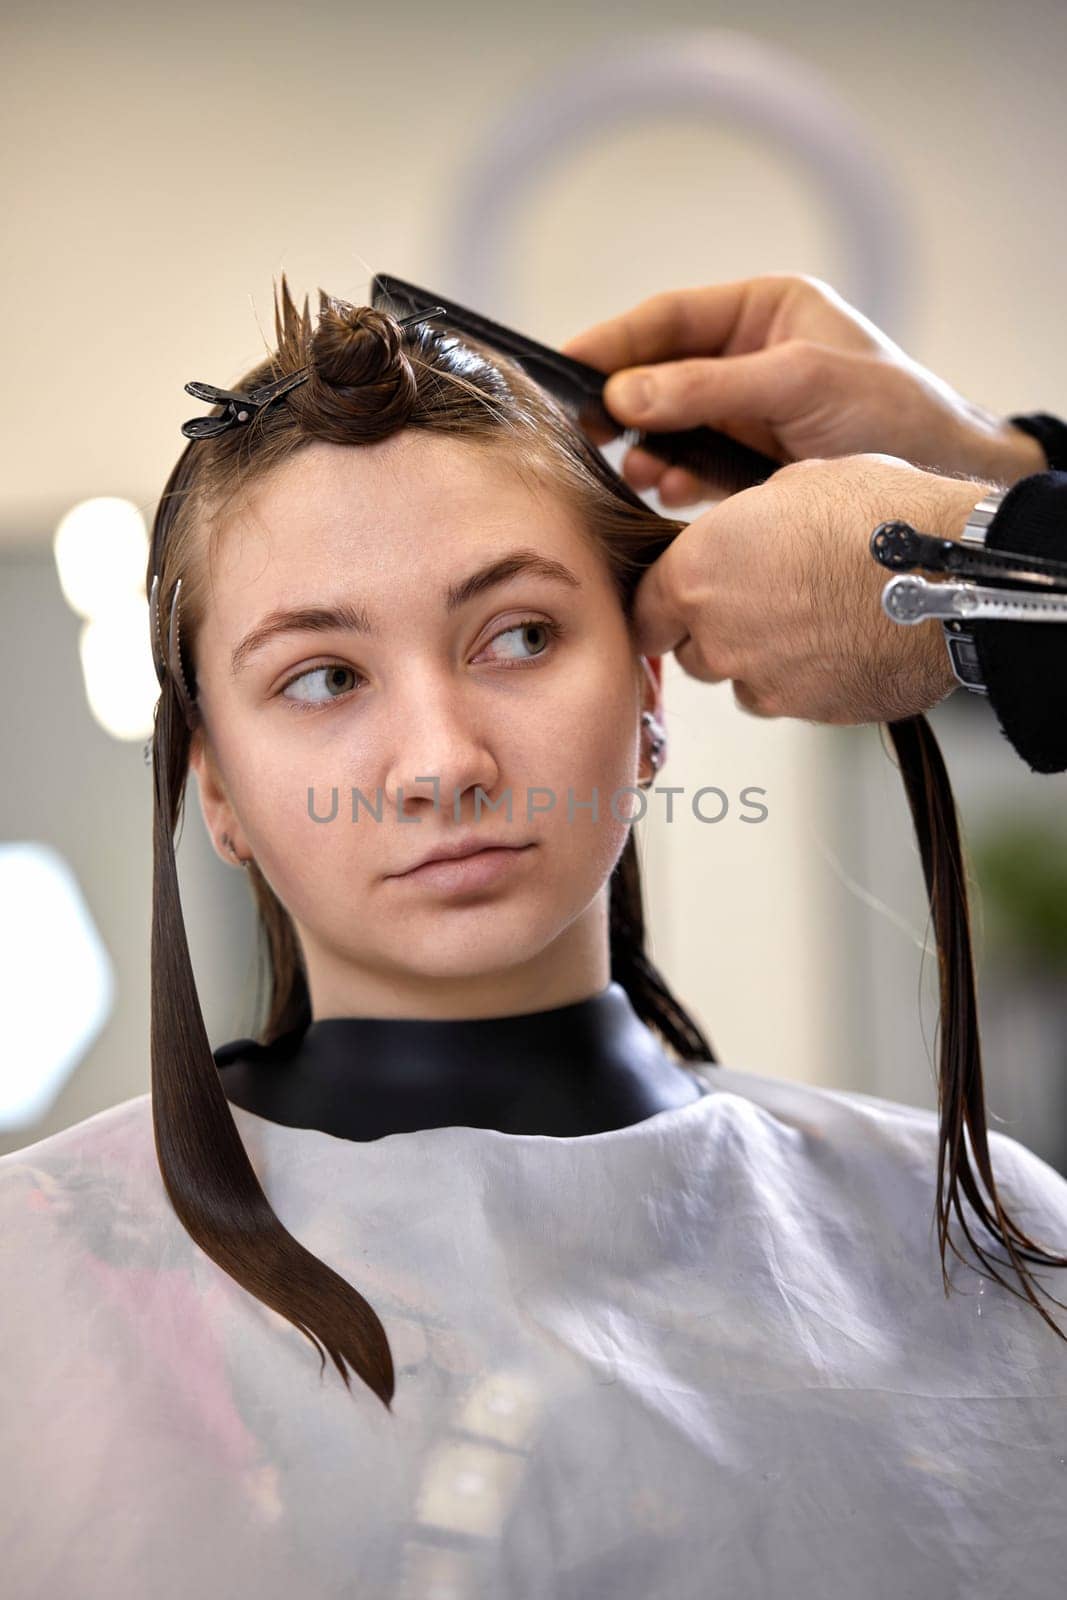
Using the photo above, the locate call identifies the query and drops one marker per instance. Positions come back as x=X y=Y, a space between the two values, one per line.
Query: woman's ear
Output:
x=653 y=731
x=219 y=815
x=652 y=688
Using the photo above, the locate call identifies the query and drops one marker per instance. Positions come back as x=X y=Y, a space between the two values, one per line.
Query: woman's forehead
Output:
x=400 y=488
x=410 y=521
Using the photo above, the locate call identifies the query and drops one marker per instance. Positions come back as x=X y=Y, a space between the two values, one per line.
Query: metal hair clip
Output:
x=244 y=408
x=159 y=660
x=910 y=599
x=171 y=659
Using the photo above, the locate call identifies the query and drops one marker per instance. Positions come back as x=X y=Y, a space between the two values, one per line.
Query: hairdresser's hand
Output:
x=775 y=588
x=782 y=363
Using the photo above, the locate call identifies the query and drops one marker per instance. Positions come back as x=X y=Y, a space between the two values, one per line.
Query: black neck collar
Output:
x=582 y=1068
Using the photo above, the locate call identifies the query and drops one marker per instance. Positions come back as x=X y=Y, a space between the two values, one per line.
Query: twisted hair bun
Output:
x=360 y=376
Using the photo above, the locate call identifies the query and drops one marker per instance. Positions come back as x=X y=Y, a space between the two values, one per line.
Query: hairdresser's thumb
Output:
x=702 y=389
x=631 y=396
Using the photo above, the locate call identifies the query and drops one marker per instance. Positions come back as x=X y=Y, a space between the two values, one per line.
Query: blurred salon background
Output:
x=550 y=165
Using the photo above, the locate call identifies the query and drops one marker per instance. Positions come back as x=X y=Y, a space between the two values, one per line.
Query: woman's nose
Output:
x=439 y=754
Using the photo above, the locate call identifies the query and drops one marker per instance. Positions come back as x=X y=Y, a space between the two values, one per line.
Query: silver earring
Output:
x=656 y=744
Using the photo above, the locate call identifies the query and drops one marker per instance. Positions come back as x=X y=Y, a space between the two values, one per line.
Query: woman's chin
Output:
x=470 y=941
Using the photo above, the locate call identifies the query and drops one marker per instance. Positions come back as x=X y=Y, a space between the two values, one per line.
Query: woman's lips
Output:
x=477 y=871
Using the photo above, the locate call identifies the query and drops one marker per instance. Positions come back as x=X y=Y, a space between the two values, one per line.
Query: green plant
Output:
x=1021 y=868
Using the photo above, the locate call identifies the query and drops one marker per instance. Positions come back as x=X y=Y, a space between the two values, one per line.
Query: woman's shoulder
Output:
x=849 y=1128
x=85 y=1231
x=112 y=1151
x=819 y=1106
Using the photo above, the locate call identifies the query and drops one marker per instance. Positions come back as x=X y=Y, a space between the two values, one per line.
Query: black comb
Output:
x=722 y=462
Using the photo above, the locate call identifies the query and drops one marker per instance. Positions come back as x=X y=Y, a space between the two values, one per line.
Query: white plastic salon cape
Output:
x=709 y=1354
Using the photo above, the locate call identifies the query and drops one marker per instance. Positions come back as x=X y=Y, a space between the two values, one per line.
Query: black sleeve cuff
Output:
x=1024 y=664
x=1050 y=433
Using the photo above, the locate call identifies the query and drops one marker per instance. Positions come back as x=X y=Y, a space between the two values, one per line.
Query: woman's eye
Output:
x=334 y=689
x=536 y=626
x=302 y=692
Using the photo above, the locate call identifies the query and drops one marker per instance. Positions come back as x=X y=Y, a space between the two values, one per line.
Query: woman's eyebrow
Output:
x=350 y=617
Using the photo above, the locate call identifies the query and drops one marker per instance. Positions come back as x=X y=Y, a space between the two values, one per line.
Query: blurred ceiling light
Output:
x=57 y=986
x=101 y=551
x=120 y=680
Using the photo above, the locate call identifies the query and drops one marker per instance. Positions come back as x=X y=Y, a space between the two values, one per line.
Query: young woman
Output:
x=641 y=1325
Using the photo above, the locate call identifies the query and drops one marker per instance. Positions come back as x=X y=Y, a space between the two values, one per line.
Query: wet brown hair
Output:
x=368 y=378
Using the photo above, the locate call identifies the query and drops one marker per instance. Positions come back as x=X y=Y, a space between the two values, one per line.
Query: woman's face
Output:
x=528 y=685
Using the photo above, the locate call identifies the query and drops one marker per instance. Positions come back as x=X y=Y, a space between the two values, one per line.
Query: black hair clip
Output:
x=712 y=455
x=244 y=408
x=239 y=407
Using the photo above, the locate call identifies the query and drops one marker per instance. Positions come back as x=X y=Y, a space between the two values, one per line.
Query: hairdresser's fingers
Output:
x=785 y=365
x=675 y=485
x=688 y=322
x=673 y=600
x=659 y=328
x=749 y=699
x=642 y=470
x=659 y=624
x=695 y=664
x=752 y=397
